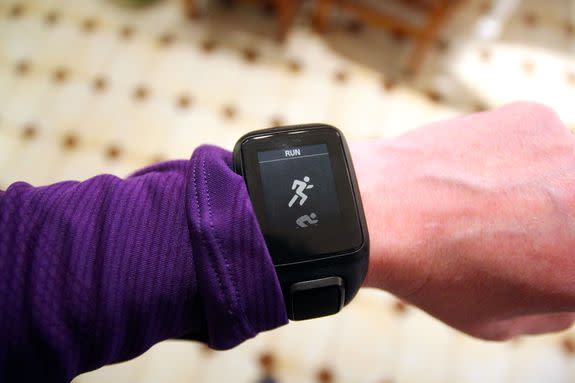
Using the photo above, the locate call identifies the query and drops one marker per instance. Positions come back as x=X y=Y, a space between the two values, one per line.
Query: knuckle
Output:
x=549 y=118
x=531 y=107
x=491 y=332
x=539 y=114
x=532 y=118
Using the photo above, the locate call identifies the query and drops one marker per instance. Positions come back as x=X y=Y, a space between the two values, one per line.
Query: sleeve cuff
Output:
x=237 y=282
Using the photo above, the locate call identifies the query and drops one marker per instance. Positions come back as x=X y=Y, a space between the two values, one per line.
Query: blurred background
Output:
x=93 y=86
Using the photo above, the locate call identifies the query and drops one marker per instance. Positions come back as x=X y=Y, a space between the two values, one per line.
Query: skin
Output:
x=473 y=220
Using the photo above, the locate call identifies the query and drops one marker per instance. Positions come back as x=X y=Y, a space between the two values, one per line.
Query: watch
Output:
x=304 y=192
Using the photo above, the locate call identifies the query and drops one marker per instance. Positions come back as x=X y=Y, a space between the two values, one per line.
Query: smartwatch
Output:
x=304 y=192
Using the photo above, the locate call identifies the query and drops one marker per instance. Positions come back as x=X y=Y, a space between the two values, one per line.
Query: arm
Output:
x=473 y=220
x=96 y=272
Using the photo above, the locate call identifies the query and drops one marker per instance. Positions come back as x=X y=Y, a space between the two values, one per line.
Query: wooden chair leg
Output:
x=286 y=10
x=321 y=15
x=191 y=9
x=428 y=35
x=282 y=21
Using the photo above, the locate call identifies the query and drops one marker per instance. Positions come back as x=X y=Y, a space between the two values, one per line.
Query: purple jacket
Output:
x=96 y=272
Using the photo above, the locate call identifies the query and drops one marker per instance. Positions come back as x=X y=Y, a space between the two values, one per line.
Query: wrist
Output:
x=400 y=246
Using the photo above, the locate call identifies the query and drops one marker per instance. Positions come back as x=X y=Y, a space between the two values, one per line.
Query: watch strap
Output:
x=316 y=298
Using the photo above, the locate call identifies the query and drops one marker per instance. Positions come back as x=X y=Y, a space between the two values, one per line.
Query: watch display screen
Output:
x=299 y=189
x=300 y=186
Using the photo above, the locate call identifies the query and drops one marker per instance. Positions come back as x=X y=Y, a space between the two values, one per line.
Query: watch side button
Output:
x=316 y=298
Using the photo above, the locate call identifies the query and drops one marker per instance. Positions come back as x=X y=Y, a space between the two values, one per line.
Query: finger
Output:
x=543 y=323
x=527 y=325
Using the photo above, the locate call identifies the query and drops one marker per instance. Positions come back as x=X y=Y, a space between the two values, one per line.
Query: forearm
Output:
x=93 y=272
x=96 y=272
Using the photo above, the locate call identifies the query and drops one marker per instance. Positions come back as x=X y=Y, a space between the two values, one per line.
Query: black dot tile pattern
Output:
x=127 y=32
x=23 y=67
x=29 y=131
x=16 y=10
x=277 y=121
x=341 y=76
x=208 y=46
x=113 y=152
x=485 y=54
x=229 y=112
x=388 y=84
x=157 y=158
x=70 y=141
x=530 y=19
x=184 y=101
x=442 y=45
x=100 y=84
x=568 y=346
x=325 y=375
x=485 y=7
x=267 y=362
x=399 y=307
x=166 y=39
x=89 y=25
x=60 y=75
x=480 y=106
x=250 y=55
x=528 y=66
x=570 y=77
x=434 y=96
x=52 y=18
x=569 y=28
x=294 y=66
x=141 y=93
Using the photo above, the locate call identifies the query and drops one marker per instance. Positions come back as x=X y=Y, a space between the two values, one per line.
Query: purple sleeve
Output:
x=96 y=272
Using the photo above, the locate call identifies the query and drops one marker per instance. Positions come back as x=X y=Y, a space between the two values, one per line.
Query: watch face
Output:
x=298 y=189
x=300 y=185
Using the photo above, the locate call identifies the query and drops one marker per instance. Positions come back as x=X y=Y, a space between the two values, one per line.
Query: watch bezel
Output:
x=351 y=232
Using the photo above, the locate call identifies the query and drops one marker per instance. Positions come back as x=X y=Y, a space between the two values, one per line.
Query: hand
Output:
x=473 y=220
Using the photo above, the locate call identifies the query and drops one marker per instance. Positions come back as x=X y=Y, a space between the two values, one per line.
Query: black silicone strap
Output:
x=316 y=298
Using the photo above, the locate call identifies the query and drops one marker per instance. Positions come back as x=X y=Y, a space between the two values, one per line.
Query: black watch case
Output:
x=304 y=192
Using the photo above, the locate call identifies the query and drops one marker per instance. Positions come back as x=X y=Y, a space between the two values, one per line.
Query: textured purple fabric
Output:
x=96 y=272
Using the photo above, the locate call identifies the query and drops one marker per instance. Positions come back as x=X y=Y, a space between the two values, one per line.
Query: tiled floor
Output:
x=87 y=87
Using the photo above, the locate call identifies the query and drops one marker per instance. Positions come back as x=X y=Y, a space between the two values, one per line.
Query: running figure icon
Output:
x=299 y=187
